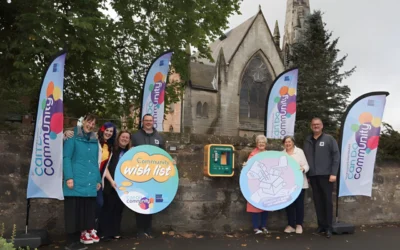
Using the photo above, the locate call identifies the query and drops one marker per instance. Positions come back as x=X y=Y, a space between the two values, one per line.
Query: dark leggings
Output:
x=295 y=211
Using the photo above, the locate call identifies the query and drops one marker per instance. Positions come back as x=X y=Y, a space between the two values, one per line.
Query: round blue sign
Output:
x=271 y=180
x=147 y=179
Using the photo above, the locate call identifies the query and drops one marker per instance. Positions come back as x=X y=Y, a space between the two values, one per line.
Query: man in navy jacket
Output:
x=323 y=157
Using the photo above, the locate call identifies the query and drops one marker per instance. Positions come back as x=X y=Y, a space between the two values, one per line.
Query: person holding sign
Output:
x=81 y=181
x=295 y=211
x=322 y=153
x=147 y=135
x=111 y=214
x=259 y=224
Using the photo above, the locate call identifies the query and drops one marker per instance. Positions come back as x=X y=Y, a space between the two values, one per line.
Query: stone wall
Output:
x=201 y=204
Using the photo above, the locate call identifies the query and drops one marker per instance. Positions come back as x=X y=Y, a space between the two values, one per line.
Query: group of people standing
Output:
x=92 y=203
x=319 y=163
x=92 y=207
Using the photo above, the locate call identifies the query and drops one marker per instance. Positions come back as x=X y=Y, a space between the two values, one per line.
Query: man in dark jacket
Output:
x=147 y=135
x=323 y=157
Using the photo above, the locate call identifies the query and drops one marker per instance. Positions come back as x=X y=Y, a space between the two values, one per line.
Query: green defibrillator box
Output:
x=219 y=160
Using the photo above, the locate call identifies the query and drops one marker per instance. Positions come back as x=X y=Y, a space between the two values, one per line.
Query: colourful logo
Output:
x=271 y=180
x=286 y=101
x=53 y=115
x=52 y=125
x=146 y=203
x=366 y=139
x=147 y=179
x=286 y=104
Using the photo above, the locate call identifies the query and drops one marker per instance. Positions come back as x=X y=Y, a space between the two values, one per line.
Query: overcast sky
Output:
x=369 y=34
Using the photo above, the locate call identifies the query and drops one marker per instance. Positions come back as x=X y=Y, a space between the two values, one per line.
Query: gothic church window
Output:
x=205 y=110
x=199 y=109
x=255 y=84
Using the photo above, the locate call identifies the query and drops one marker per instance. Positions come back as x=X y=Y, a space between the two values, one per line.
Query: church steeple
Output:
x=277 y=35
x=296 y=12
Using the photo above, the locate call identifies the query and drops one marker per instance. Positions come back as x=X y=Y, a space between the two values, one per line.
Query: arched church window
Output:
x=255 y=84
x=205 y=110
x=198 y=109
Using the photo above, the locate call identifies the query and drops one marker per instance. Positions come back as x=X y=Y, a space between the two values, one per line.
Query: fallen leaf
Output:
x=164 y=233
x=56 y=247
x=257 y=241
x=278 y=238
x=229 y=236
x=243 y=245
x=187 y=235
x=171 y=233
x=200 y=237
x=137 y=243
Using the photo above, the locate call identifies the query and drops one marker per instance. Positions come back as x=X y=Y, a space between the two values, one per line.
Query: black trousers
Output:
x=143 y=223
x=322 y=194
x=111 y=215
x=295 y=211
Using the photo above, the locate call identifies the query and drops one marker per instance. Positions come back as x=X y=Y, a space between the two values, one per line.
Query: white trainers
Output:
x=299 y=229
x=85 y=238
x=258 y=231
x=289 y=230
x=93 y=235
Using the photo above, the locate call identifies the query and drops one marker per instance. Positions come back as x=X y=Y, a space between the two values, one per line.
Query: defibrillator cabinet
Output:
x=219 y=160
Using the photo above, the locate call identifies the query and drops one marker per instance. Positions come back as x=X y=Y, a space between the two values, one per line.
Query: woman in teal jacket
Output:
x=81 y=182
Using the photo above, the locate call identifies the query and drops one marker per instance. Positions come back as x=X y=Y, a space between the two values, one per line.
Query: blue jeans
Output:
x=255 y=217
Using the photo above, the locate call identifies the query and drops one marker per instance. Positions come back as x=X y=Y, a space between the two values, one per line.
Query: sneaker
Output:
x=265 y=230
x=289 y=230
x=85 y=238
x=93 y=235
x=258 y=231
x=299 y=229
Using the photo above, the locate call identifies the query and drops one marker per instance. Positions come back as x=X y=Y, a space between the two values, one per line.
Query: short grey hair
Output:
x=261 y=138
x=288 y=137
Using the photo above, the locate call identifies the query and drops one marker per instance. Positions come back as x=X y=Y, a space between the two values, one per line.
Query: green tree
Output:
x=389 y=146
x=320 y=92
x=107 y=57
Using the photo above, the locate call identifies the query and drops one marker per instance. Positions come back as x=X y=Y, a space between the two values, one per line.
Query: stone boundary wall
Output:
x=201 y=204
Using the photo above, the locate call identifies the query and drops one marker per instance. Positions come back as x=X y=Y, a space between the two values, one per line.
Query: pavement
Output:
x=365 y=238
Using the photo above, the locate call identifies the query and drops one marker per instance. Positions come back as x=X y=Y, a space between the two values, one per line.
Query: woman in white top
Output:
x=295 y=212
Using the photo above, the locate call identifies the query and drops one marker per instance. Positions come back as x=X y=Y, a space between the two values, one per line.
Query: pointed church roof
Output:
x=229 y=42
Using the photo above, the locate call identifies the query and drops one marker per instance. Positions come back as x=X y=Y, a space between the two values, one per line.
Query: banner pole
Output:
x=28 y=206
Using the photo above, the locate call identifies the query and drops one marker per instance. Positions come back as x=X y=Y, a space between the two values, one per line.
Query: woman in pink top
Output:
x=259 y=226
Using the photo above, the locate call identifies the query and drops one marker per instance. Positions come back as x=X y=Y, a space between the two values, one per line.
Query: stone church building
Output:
x=228 y=96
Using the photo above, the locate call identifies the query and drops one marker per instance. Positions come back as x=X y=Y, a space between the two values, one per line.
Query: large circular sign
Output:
x=271 y=180
x=147 y=179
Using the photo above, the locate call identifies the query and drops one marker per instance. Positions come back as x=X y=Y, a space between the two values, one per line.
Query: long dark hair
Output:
x=116 y=144
x=100 y=133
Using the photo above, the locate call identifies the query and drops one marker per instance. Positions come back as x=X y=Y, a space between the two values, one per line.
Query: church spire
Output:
x=277 y=35
x=296 y=12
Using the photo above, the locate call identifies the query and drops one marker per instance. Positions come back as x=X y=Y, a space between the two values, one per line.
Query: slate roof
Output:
x=202 y=76
x=230 y=43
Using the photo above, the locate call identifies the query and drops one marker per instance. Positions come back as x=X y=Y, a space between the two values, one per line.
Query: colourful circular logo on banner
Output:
x=147 y=179
x=271 y=180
